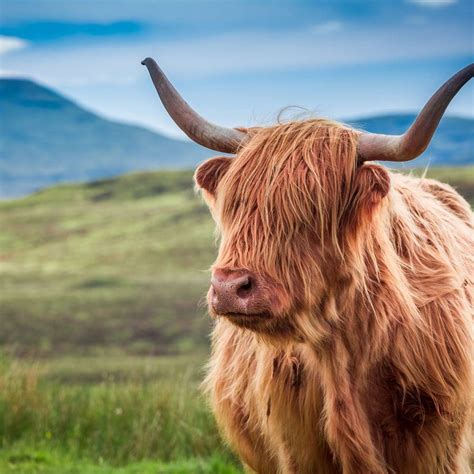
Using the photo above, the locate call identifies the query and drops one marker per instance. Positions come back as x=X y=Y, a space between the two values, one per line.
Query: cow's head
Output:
x=281 y=205
x=289 y=203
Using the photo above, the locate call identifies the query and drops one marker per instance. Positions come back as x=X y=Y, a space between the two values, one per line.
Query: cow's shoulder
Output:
x=421 y=189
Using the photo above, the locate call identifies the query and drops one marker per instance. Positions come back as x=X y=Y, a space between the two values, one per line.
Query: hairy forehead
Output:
x=290 y=155
x=287 y=170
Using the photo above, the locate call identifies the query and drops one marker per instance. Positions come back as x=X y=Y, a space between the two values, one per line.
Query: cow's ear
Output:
x=209 y=173
x=371 y=185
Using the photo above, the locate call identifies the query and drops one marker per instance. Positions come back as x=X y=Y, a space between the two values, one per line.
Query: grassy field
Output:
x=119 y=263
x=102 y=332
x=114 y=414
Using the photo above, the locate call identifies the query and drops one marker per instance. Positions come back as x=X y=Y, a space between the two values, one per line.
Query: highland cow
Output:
x=342 y=296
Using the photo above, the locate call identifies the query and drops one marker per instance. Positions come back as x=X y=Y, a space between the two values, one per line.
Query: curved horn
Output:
x=414 y=141
x=226 y=140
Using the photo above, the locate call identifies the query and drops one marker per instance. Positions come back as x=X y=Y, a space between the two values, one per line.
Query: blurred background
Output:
x=104 y=246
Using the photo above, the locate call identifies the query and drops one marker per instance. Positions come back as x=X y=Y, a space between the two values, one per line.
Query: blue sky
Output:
x=240 y=62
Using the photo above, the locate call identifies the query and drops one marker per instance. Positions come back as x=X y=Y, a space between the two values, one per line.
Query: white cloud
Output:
x=434 y=3
x=328 y=27
x=118 y=63
x=11 y=43
x=10 y=73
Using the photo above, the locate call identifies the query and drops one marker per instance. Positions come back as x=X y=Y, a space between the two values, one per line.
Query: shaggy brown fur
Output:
x=366 y=367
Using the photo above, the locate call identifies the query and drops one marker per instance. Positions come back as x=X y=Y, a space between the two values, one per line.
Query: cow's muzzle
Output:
x=240 y=294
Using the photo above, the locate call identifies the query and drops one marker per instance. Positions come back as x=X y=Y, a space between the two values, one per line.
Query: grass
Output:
x=116 y=263
x=52 y=463
x=132 y=413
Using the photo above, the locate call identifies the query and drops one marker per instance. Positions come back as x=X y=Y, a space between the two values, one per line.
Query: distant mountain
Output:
x=452 y=144
x=45 y=138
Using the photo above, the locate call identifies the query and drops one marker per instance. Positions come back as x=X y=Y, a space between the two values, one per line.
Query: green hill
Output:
x=119 y=263
x=114 y=265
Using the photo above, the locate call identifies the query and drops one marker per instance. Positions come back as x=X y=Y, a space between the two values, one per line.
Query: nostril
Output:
x=245 y=288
